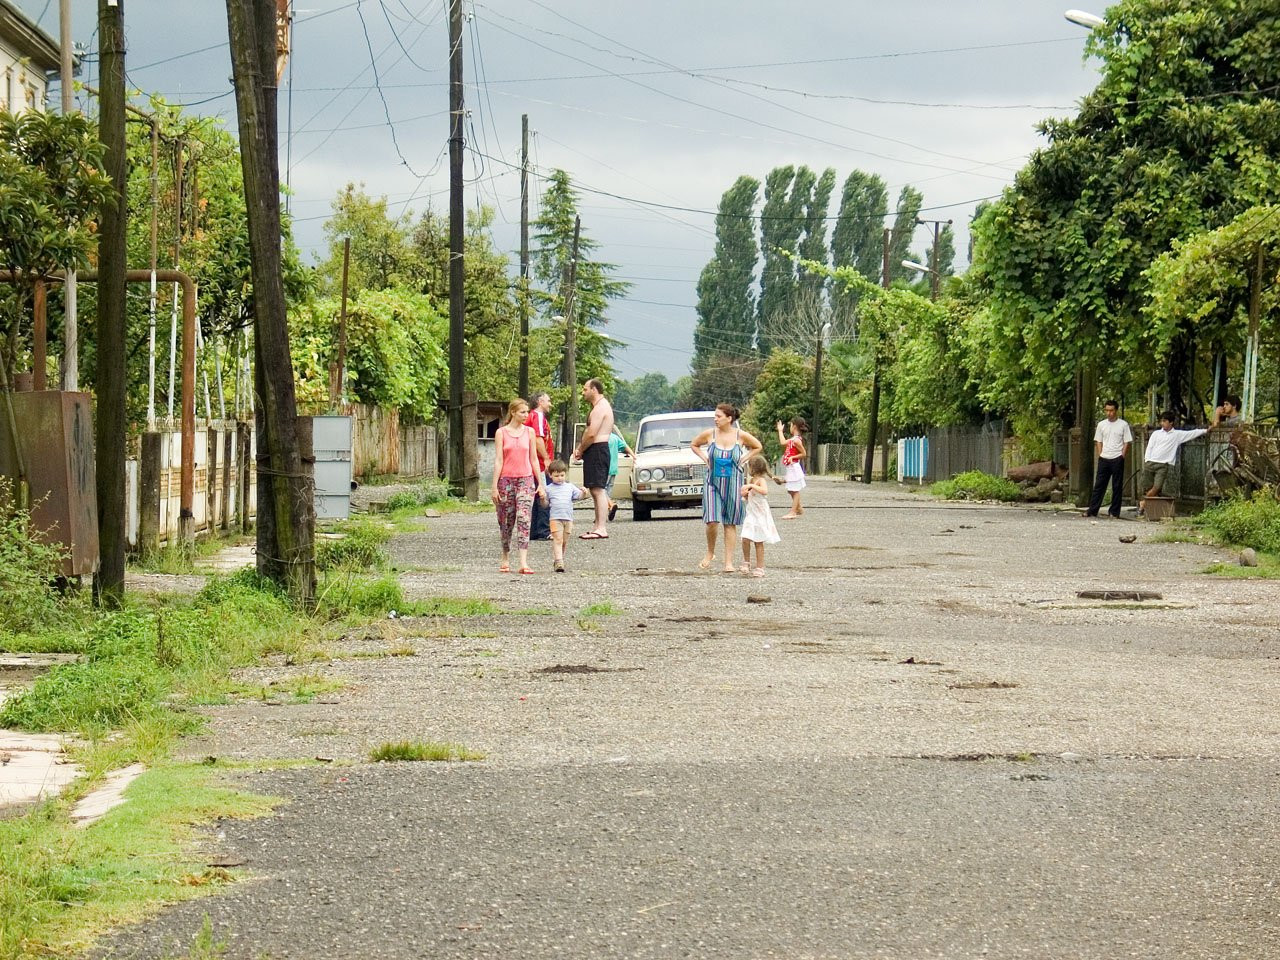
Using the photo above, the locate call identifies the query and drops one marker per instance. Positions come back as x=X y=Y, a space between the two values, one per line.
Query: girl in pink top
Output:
x=516 y=480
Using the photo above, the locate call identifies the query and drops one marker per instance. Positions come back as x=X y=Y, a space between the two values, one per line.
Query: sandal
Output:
x=504 y=568
x=745 y=568
x=525 y=570
x=758 y=572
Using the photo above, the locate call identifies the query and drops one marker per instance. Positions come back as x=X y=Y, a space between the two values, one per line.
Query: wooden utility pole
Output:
x=286 y=504
x=339 y=380
x=459 y=430
x=569 y=369
x=71 y=347
x=873 y=416
x=109 y=434
x=524 y=255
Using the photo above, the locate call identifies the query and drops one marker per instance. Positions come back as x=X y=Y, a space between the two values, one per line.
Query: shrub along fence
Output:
x=942 y=452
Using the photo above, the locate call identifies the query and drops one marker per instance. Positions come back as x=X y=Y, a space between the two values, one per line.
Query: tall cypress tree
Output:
x=857 y=239
x=813 y=245
x=904 y=227
x=726 y=301
x=786 y=195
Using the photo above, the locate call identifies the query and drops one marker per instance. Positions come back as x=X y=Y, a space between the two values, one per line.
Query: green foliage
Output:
x=359 y=547
x=784 y=390
x=51 y=190
x=1245 y=522
x=976 y=485
x=345 y=593
x=395 y=356
x=604 y=608
x=786 y=193
x=904 y=227
x=28 y=568
x=652 y=393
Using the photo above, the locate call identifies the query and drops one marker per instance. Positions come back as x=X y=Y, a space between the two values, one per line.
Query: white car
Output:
x=666 y=472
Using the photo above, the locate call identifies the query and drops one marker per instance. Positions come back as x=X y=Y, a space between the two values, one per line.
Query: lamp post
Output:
x=824 y=340
x=933 y=278
x=1082 y=18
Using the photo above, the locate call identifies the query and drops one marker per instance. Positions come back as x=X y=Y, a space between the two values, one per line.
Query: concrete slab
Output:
x=108 y=796
x=231 y=559
x=33 y=767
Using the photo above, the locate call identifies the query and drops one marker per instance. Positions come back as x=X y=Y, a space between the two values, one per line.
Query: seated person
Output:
x=1162 y=451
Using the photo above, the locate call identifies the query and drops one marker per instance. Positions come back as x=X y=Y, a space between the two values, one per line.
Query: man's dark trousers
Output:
x=1108 y=469
x=540 y=522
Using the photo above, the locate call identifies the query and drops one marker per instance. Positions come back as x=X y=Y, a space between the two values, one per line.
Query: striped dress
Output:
x=722 y=491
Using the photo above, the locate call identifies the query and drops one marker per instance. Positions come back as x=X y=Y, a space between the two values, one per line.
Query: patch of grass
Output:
x=1245 y=521
x=303 y=688
x=413 y=750
x=1177 y=533
x=976 y=485
x=1268 y=568
x=29 y=567
x=359 y=548
x=346 y=593
x=588 y=626
x=603 y=609
x=61 y=886
x=455 y=607
x=536 y=612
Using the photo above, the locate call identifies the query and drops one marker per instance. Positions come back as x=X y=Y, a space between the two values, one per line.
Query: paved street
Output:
x=923 y=745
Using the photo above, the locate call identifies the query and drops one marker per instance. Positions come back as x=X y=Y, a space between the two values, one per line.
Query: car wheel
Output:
x=641 y=510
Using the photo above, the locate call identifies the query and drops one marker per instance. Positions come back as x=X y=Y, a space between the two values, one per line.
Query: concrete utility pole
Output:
x=109 y=433
x=458 y=429
x=524 y=255
x=569 y=370
x=873 y=418
x=71 y=346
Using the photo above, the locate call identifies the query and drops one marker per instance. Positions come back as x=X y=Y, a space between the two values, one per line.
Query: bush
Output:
x=976 y=485
x=1245 y=522
x=29 y=568
x=359 y=548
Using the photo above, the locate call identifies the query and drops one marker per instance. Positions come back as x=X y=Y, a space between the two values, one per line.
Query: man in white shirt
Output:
x=1162 y=451
x=1111 y=444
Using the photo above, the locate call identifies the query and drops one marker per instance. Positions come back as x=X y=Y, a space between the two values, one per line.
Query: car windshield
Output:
x=671 y=434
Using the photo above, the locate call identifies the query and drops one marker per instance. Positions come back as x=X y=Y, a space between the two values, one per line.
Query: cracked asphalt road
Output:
x=923 y=745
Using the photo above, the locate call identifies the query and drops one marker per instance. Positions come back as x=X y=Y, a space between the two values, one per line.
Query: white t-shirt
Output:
x=1162 y=445
x=1113 y=435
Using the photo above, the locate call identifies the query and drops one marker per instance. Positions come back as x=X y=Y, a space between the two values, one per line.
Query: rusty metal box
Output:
x=55 y=435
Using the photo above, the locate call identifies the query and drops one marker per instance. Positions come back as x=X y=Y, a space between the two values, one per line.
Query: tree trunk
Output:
x=286 y=506
x=110 y=421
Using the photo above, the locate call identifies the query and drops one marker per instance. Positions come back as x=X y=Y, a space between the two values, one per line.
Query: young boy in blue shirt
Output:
x=560 y=497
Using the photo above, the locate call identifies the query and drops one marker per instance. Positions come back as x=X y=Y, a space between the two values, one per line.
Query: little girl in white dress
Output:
x=757 y=524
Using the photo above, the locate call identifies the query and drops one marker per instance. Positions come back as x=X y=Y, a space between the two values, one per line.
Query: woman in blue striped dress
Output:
x=724 y=449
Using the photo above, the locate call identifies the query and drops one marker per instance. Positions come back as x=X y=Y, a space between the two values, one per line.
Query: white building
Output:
x=27 y=56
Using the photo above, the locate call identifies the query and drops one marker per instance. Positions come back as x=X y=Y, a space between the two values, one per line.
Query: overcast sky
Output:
x=662 y=104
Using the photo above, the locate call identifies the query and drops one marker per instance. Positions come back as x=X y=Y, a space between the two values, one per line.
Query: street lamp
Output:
x=1083 y=18
x=934 y=276
x=824 y=340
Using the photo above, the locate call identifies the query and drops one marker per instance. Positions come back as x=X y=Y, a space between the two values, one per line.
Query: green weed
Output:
x=29 y=568
x=976 y=485
x=359 y=548
x=1245 y=521
x=410 y=750
x=602 y=609
x=455 y=607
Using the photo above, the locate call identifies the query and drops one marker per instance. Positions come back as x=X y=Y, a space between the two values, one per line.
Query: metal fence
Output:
x=942 y=452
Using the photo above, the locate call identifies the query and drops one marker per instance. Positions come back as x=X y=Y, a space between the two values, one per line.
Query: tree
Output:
x=382 y=252
x=857 y=239
x=286 y=510
x=813 y=245
x=786 y=190
x=784 y=390
x=726 y=303
x=649 y=394
x=904 y=227
x=52 y=187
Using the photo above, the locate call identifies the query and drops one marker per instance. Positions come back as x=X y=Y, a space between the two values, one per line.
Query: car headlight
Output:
x=658 y=474
x=643 y=476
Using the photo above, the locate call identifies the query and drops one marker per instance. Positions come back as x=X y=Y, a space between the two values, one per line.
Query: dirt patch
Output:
x=982 y=685
x=921 y=663
x=1119 y=595
x=585 y=668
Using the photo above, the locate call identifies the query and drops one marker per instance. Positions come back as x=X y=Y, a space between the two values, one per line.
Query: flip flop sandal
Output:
x=526 y=571
x=505 y=568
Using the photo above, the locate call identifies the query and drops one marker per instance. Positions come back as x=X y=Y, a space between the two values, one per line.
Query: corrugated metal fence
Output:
x=942 y=452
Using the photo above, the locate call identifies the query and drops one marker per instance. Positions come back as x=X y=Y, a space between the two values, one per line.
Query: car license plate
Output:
x=692 y=491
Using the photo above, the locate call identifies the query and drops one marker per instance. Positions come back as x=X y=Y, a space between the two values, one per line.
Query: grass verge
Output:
x=61 y=886
x=976 y=485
